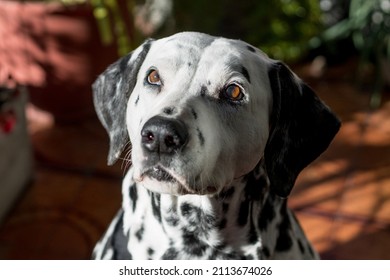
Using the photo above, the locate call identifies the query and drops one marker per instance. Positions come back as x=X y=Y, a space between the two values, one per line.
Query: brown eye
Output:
x=234 y=93
x=154 y=78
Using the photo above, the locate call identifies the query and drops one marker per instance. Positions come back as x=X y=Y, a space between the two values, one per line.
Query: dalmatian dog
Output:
x=219 y=133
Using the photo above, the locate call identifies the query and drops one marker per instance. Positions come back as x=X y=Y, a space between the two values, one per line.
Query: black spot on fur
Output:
x=171 y=217
x=210 y=221
x=118 y=239
x=221 y=247
x=267 y=214
x=237 y=67
x=264 y=252
x=193 y=246
x=214 y=255
x=253 y=191
x=189 y=237
x=245 y=73
x=203 y=91
x=187 y=209
x=172 y=220
x=124 y=63
x=284 y=241
x=170 y=254
x=232 y=256
x=220 y=253
x=169 y=110
x=133 y=195
x=192 y=213
x=136 y=100
x=155 y=199
x=202 y=222
x=250 y=48
x=194 y=114
x=140 y=233
x=150 y=252
x=200 y=137
x=189 y=64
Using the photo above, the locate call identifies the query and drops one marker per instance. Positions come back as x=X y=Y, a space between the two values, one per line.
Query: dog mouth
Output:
x=167 y=178
x=160 y=174
x=168 y=182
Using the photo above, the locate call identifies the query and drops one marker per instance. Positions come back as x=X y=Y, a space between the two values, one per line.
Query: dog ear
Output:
x=111 y=92
x=302 y=127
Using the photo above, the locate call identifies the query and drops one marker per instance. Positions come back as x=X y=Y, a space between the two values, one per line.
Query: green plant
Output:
x=368 y=26
x=109 y=18
x=107 y=14
x=282 y=28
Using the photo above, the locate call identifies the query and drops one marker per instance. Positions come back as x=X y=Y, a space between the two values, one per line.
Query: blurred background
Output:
x=57 y=195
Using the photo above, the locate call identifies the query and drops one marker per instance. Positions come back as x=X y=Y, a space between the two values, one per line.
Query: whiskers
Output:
x=126 y=160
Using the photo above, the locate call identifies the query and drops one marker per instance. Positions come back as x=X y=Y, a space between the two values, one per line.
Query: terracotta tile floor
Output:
x=342 y=199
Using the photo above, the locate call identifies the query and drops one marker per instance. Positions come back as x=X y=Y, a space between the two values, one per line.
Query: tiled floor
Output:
x=342 y=199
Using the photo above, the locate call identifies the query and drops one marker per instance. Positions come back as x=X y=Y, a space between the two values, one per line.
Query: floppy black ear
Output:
x=302 y=127
x=111 y=92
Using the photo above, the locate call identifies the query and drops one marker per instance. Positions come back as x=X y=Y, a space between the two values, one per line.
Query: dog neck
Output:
x=228 y=225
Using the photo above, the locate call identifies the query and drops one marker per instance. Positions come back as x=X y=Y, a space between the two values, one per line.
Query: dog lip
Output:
x=160 y=174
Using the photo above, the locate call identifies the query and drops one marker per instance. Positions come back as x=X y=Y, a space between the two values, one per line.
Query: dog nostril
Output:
x=163 y=136
x=148 y=136
x=170 y=141
x=174 y=140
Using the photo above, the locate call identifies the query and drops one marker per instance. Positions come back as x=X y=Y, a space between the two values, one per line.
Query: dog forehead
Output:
x=193 y=44
x=198 y=50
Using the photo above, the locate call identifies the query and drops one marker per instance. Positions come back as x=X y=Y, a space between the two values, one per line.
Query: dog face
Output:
x=200 y=90
x=202 y=111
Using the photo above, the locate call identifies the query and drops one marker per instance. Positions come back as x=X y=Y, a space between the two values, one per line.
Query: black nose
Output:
x=164 y=136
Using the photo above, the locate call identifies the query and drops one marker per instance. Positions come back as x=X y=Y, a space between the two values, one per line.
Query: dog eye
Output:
x=154 y=78
x=233 y=92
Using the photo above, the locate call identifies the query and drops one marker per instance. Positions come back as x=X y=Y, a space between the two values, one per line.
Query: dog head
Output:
x=202 y=111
